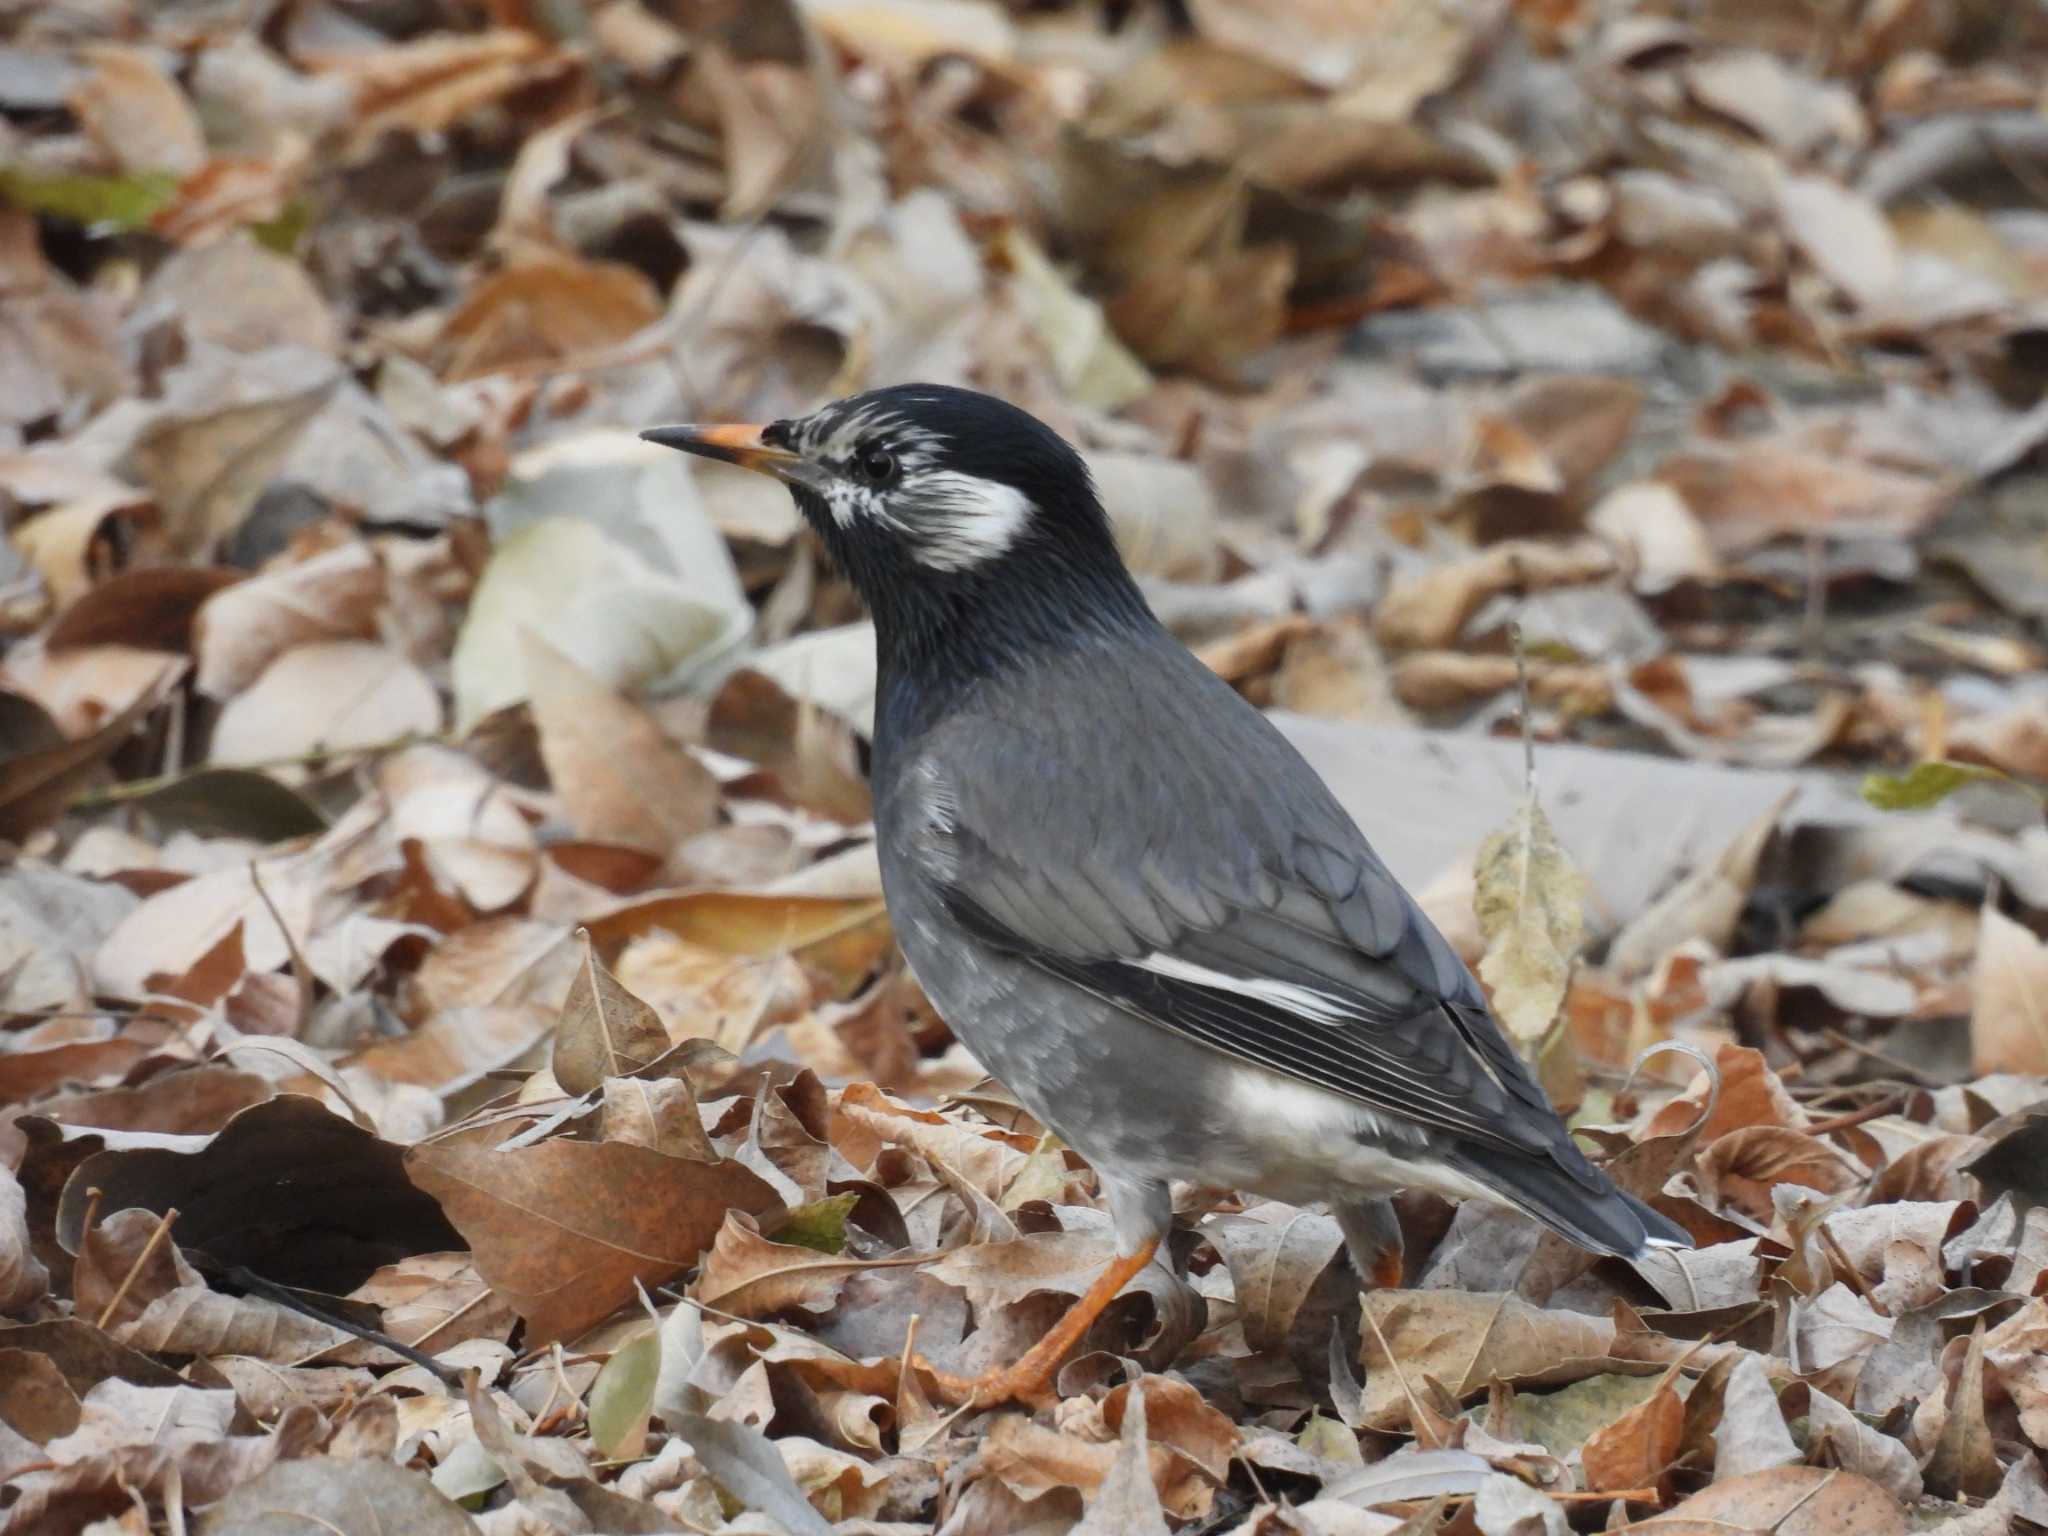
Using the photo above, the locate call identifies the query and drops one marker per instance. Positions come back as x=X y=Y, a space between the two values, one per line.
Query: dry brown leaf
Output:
x=151 y=609
x=748 y=1275
x=660 y=1113
x=434 y=1301
x=1127 y=1503
x=38 y=784
x=836 y=939
x=548 y=309
x=1749 y=492
x=23 y=1276
x=1276 y=1254
x=605 y=1031
x=1465 y=1340
x=1748 y=1093
x=333 y=596
x=1664 y=542
x=1431 y=609
x=139 y=119
x=563 y=1230
x=327 y=698
x=1634 y=1450
x=1963 y=1462
x=428 y=83
x=140 y=1288
x=2009 y=1006
x=1704 y=905
x=2017 y=1353
x=621 y=777
x=1784 y=1501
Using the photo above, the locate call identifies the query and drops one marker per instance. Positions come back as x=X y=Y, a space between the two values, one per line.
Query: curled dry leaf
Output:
x=1276 y=1256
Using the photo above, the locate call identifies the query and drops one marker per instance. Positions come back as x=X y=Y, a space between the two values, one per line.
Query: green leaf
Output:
x=1928 y=784
x=283 y=233
x=230 y=802
x=124 y=202
x=622 y=1397
x=819 y=1226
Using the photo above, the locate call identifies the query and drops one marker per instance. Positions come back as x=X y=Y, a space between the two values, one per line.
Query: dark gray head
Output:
x=970 y=528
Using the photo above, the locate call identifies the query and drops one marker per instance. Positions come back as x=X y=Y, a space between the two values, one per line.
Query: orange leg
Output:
x=1029 y=1380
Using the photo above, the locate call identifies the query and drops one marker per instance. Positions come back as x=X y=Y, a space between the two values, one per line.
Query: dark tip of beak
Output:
x=741 y=445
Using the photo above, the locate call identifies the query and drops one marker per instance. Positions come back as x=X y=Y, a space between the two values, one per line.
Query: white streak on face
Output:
x=958 y=521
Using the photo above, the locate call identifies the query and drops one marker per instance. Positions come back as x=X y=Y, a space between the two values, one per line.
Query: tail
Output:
x=1594 y=1212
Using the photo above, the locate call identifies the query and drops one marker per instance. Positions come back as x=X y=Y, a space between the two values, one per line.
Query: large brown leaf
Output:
x=1466 y=1340
x=562 y=1230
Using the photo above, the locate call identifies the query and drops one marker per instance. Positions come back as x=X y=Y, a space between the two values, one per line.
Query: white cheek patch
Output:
x=956 y=521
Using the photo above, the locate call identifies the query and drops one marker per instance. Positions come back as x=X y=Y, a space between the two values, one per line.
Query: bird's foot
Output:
x=1029 y=1380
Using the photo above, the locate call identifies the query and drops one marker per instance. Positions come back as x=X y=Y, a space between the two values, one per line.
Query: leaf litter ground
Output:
x=455 y=1072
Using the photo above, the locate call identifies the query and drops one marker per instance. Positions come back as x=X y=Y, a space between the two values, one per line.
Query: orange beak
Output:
x=741 y=445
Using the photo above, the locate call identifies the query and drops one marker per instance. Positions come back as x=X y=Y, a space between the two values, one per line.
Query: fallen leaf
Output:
x=136 y=115
x=1529 y=899
x=239 y=632
x=326 y=699
x=748 y=1275
x=349 y=1498
x=621 y=777
x=1634 y=1450
x=2009 y=1008
x=1963 y=1461
x=1431 y=609
x=1841 y=1439
x=1276 y=1256
x=605 y=1031
x=563 y=1230
x=1784 y=1501
x=1465 y=1340
x=622 y=1398
x=1126 y=1503
x=1752 y=1437
x=546 y=309
x=151 y=609
x=23 y=1277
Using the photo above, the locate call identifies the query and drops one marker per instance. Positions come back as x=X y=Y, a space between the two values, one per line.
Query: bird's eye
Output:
x=878 y=465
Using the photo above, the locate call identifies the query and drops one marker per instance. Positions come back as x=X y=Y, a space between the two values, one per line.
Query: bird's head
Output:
x=955 y=515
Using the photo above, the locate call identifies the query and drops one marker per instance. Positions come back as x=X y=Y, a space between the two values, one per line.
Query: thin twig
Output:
x=156 y=1241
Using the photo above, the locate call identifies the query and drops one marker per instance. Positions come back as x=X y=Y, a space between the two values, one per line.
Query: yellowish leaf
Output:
x=1529 y=900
